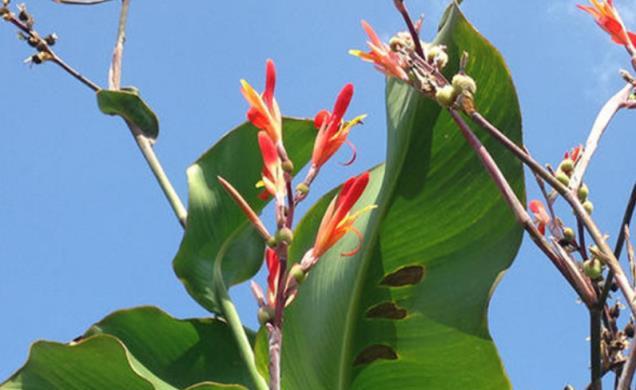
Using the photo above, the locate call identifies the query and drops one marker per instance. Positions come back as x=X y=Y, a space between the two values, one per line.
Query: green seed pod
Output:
x=562 y=177
x=285 y=235
x=288 y=166
x=583 y=192
x=568 y=234
x=265 y=314
x=298 y=274
x=302 y=188
x=464 y=83
x=588 y=206
x=446 y=96
x=593 y=268
x=272 y=242
x=567 y=165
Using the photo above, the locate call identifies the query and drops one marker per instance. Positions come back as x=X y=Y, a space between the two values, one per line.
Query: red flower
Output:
x=273 y=177
x=542 y=219
x=574 y=154
x=333 y=131
x=386 y=60
x=606 y=16
x=264 y=112
x=337 y=221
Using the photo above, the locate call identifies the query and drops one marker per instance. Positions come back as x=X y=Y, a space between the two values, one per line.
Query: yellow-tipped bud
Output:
x=563 y=178
x=593 y=268
x=265 y=314
x=588 y=206
x=285 y=235
x=298 y=274
x=302 y=188
x=464 y=83
x=568 y=234
x=567 y=166
x=446 y=96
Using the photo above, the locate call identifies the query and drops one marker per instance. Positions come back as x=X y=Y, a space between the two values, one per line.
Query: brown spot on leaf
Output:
x=387 y=310
x=375 y=352
x=412 y=274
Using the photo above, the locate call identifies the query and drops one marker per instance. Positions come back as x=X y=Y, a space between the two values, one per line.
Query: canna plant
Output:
x=385 y=282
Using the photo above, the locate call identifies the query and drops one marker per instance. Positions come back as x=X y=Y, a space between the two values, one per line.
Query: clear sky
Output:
x=84 y=229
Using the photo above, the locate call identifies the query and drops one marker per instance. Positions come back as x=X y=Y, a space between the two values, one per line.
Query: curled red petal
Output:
x=354 y=153
x=357 y=248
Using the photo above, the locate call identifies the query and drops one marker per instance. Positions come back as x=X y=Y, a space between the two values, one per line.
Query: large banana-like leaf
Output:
x=217 y=232
x=137 y=349
x=409 y=311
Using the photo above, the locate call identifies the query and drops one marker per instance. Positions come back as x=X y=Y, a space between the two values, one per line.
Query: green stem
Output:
x=145 y=146
x=243 y=343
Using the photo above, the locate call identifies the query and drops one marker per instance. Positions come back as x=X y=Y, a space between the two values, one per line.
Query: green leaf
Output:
x=410 y=309
x=128 y=105
x=217 y=233
x=96 y=363
x=140 y=348
x=180 y=352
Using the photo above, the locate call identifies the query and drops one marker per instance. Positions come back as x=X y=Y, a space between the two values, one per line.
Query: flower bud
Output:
x=302 y=188
x=272 y=242
x=588 y=206
x=285 y=235
x=288 y=166
x=568 y=234
x=298 y=274
x=432 y=52
x=51 y=39
x=563 y=178
x=614 y=311
x=583 y=192
x=629 y=330
x=441 y=59
x=593 y=268
x=464 y=83
x=567 y=165
x=446 y=95
x=265 y=314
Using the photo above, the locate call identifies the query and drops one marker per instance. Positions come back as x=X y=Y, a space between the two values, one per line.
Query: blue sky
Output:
x=85 y=230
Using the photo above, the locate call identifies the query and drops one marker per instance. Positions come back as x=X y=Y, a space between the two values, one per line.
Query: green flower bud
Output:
x=563 y=178
x=568 y=234
x=583 y=193
x=302 y=188
x=265 y=314
x=593 y=268
x=446 y=96
x=288 y=166
x=272 y=242
x=298 y=274
x=285 y=235
x=588 y=206
x=567 y=165
x=464 y=83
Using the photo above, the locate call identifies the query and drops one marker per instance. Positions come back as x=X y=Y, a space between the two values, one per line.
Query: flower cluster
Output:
x=276 y=176
x=608 y=18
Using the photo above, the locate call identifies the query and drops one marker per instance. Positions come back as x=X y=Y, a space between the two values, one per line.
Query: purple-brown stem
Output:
x=567 y=269
x=399 y=4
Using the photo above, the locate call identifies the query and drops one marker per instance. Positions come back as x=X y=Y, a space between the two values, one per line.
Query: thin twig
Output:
x=399 y=4
x=10 y=17
x=601 y=122
x=144 y=143
x=572 y=198
x=568 y=270
x=618 y=247
x=81 y=2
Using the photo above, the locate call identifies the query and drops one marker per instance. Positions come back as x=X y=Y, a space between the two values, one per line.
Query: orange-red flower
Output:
x=386 y=60
x=332 y=130
x=264 y=112
x=607 y=17
x=273 y=177
x=542 y=219
x=273 y=268
x=574 y=154
x=337 y=220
